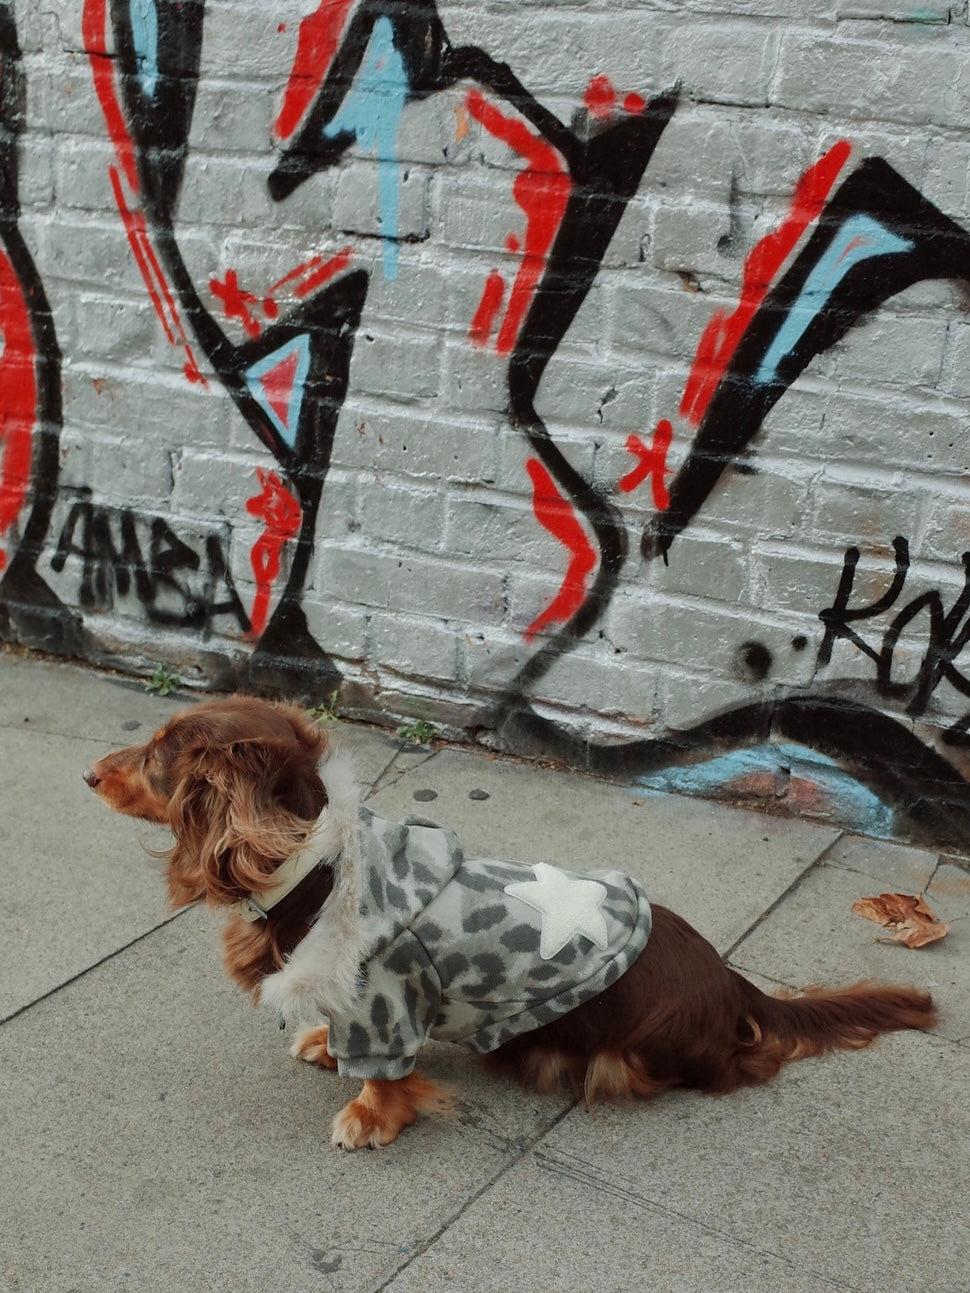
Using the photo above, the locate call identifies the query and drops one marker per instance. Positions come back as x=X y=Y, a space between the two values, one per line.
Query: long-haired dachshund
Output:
x=379 y=935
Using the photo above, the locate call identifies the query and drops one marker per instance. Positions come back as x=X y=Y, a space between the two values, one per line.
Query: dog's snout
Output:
x=91 y=777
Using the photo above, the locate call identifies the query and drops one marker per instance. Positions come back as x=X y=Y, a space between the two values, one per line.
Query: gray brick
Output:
x=955 y=378
x=356 y=204
x=726 y=63
x=412 y=583
x=492 y=656
x=414 y=443
x=651 y=316
x=115 y=329
x=340 y=628
x=214 y=484
x=687 y=235
x=936 y=12
x=402 y=514
x=233 y=114
x=686 y=699
x=901 y=351
x=848 y=508
x=396 y=367
x=224 y=190
x=762 y=496
x=702 y=566
x=867 y=79
x=413 y=647
x=81 y=174
x=790 y=577
x=500 y=530
x=923 y=435
x=707 y=638
x=586 y=679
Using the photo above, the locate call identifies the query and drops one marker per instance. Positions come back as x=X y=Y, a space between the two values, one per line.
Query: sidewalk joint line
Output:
x=503 y=1170
x=108 y=956
x=815 y=863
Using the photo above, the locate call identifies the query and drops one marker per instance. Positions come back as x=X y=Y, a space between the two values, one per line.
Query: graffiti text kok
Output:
x=942 y=633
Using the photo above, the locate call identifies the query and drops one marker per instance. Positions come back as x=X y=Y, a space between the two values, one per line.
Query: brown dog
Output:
x=267 y=824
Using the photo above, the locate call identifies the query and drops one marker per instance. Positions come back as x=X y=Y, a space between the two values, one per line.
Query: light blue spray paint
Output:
x=144 y=33
x=860 y=238
x=372 y=111
x=854 y=803
x=300 y=347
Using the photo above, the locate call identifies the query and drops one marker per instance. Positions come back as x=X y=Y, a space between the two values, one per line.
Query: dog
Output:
x=376 y=935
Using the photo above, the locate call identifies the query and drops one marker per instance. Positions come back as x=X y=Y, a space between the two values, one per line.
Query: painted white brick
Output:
x=402 y=514
x=340 y=628
x=705 y=567
x=397 y=440
x=400 y=369
x=492 y=656
x=903 y=351
x=868 y=79
x=419 y=648
x=357 y=209
x=429 y=563
x=724 y=63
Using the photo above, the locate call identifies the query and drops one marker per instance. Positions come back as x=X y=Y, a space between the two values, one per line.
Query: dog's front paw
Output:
x=311 y=1046
x=357 y=1126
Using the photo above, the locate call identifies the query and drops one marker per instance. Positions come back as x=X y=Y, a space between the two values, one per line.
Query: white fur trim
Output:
x=321 y=974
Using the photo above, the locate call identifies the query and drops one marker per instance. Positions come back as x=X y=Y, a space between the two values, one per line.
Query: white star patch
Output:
x=569 y=905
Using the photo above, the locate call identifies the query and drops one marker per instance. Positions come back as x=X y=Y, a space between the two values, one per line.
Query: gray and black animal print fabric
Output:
x=474 y=951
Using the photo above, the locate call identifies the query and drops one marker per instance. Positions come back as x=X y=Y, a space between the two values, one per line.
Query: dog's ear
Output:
x=237 y=812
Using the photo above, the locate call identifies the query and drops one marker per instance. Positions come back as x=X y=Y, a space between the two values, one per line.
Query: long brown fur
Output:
x=237 y=782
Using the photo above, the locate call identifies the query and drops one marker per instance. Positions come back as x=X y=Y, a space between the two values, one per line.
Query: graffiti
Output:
x=652 y=463
x=288 y=380
x=875 y=237
x=121 y=554
x=281 y=512
x=854 y=235
x=947 y=632
x=553 y=512
x=30 y=393
x=850 y=240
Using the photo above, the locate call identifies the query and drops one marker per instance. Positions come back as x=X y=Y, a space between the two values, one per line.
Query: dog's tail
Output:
x=818 y=1020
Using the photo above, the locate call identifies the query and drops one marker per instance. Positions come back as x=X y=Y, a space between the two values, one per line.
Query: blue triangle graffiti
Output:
x=287 y=421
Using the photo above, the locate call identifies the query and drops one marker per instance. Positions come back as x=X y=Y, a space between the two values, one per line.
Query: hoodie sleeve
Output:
x=395 y=1012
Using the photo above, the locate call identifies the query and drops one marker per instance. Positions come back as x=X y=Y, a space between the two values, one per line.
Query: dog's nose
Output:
x=91 y=777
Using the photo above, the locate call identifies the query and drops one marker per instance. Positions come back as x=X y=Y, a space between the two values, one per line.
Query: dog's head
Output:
x=235 y=780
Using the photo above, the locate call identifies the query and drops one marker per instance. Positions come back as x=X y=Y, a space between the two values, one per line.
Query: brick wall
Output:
x=585 y=379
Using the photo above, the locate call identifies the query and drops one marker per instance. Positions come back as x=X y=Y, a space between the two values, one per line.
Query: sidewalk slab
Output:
x=166 y=1140
x=846 y=1174
x=719 y=867
x=163 y=1138
x=79 y=882
x=814 y=937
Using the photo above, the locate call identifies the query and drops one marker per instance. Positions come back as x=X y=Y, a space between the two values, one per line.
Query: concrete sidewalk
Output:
x=157 y=1136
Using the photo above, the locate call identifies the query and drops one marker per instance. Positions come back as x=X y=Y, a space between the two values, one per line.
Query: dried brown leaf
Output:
x=909 y=916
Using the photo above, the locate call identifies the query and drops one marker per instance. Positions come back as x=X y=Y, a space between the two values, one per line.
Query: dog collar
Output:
x=257 y=906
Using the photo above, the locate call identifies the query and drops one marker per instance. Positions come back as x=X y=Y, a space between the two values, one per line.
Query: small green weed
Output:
x=163 y=682
x=326 y=711
x=418 y=732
